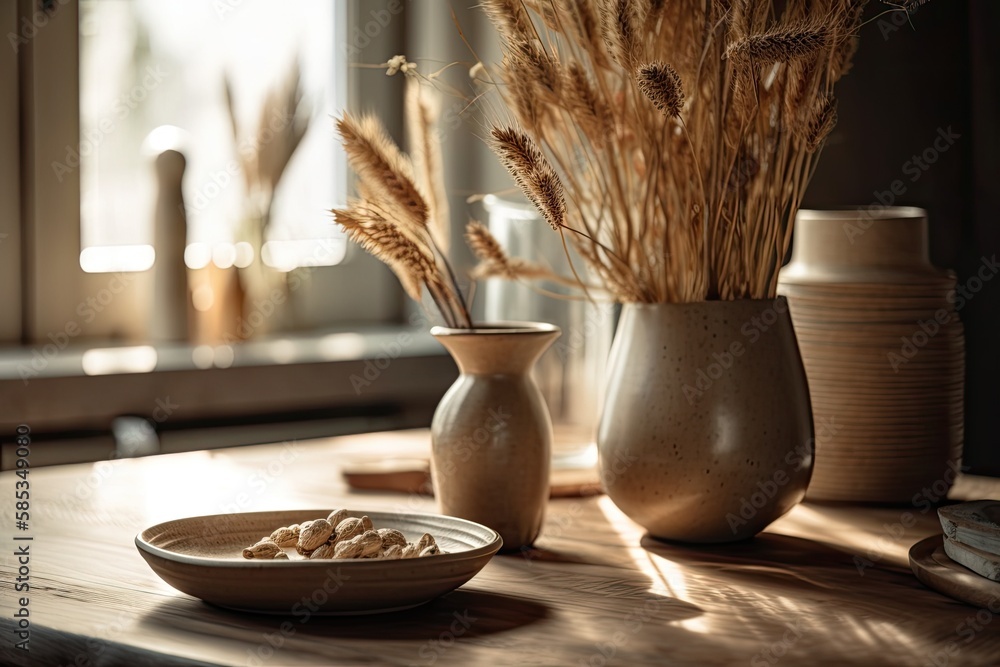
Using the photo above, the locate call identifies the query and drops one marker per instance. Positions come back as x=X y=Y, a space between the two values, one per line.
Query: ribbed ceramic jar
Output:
x=491 y=432
x=884 y=351
x=706 y=434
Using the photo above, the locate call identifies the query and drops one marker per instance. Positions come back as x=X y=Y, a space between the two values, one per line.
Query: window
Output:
x=83 y=111
x=154 y=75
x=104 y=84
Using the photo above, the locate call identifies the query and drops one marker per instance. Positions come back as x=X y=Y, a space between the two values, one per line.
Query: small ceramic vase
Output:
x=491 y=433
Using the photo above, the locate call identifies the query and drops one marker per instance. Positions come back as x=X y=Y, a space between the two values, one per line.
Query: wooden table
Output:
x=826 y=585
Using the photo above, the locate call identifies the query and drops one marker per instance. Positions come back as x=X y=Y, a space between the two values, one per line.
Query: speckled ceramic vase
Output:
x=491 y=433
x=706 y=434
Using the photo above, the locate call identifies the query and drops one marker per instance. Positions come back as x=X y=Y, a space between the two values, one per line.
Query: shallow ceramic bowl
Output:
x=202 y=556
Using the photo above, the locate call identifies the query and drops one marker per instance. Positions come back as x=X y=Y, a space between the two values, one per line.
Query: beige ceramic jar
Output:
x=491 y=433
x=884 y=351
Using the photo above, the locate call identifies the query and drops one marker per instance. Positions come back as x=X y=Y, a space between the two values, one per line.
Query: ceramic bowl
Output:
x=202 y=556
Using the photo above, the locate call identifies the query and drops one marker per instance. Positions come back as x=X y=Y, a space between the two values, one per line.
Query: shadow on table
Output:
x=774 y=551
x=796 y=567
x=467 y=612
x=822 y=590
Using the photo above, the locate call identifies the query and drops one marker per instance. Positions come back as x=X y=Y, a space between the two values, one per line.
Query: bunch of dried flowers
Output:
x=670 y=141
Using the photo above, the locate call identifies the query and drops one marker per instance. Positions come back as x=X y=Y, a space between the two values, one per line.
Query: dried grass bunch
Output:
x=401 y=213
x=670 y=141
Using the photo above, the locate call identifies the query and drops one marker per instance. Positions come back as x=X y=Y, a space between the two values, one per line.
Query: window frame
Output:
x=10 y=181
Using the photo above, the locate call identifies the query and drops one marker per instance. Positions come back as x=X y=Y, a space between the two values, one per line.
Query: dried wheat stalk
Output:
x=494 y=262
x=421 y=125
x=532 y=172
x=392 y=219
x=670 y=142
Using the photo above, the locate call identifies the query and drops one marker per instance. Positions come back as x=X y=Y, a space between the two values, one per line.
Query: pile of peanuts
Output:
x=341 y=536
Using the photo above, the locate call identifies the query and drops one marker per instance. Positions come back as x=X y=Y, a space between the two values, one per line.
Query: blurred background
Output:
x=170 y=277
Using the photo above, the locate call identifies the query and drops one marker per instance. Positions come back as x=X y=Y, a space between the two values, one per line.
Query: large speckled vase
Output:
x=706 y=434
x=491 y=433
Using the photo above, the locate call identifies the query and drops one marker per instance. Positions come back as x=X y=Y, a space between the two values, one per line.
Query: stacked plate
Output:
x=883 y=350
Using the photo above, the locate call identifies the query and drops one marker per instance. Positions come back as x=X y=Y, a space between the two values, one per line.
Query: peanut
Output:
x=392 y=536
x=263 y=549
x=371 y=543
x=365 y=545
x=315 y=535
x=392 y=552
x=348 y=529
x=323 y=551
x=285 y=537
x=336 y=516
x=341 y=536
x=351 y=548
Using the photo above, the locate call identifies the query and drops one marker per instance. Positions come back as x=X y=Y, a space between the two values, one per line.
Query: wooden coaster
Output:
x=937 y=571
x=413 y=476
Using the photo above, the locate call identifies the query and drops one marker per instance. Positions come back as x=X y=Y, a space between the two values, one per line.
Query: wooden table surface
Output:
x=826 y=585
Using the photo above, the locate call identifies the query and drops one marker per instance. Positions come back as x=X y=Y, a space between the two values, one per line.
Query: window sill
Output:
x=51 y=361
x=381 y=377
